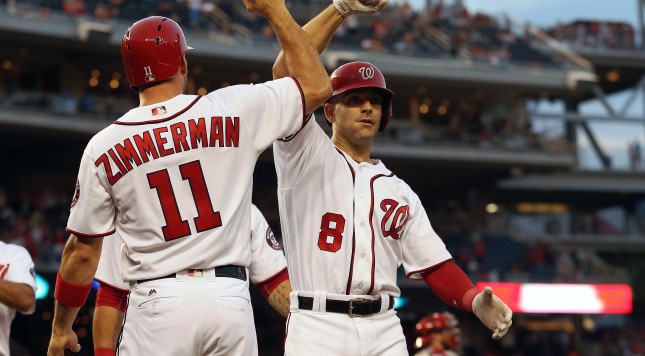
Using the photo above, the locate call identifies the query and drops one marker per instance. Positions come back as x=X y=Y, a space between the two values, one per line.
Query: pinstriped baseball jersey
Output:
x=174 y=179
x=267 y=257
x=347 y=226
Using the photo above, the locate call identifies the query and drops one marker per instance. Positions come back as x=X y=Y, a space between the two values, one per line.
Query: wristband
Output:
x=342 y=8
x=104 y=351
x=70 y=294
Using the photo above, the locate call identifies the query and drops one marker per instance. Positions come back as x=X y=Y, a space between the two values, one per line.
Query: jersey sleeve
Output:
x=267 y=257
x=269 y=110
x=21 y=269
x=422 y=247
x=92 y=211
x=292 y=155
x=110 y=270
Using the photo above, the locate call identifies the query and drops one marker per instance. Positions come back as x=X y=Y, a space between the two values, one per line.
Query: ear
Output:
x=329 y=112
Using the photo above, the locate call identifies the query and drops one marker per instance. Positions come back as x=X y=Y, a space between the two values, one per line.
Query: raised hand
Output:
x=263 y=7
x=348 y=7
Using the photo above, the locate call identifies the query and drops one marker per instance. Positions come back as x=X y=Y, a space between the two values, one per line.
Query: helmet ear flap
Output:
x=386 y=107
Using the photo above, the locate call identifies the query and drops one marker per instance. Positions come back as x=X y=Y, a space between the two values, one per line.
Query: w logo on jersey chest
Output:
x=394 y=219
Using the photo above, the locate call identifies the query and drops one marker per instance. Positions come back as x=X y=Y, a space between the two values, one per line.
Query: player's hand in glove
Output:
x=348 y=7
x=492 y=312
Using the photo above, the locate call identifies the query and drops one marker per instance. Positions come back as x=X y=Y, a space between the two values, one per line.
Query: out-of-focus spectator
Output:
x=406 y=45
x=74 y=8
x=634 y=152
x=103 y=12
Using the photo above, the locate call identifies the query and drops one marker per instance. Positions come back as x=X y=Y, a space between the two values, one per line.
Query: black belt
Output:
x=353 y=307
x=229 y=271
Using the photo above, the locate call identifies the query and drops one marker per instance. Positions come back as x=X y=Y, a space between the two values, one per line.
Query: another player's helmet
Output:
x=152 y=49
x=356 y=75
x=435 y=323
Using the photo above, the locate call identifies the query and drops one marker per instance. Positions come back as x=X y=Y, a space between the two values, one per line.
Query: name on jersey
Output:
x=167 y=140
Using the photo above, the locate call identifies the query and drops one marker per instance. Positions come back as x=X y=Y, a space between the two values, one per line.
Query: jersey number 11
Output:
x=175 y=227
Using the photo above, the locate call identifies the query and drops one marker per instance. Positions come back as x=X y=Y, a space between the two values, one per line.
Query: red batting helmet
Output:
x=152 y=50
x=357 y=75
x=438 y=322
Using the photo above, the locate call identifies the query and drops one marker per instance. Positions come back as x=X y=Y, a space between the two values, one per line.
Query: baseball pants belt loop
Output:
x=229 y=271
x=353 y=307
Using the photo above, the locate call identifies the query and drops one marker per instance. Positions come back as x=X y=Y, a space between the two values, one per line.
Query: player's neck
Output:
x=359 y=153
x=159 y=93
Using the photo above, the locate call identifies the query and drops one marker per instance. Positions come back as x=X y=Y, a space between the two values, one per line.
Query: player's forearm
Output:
x=78 y=265
x=320 y=29
x=279 y=298
x=63 y=318
x=106 y=327
x=17 y=296
x=80 y=259
x=301 y=58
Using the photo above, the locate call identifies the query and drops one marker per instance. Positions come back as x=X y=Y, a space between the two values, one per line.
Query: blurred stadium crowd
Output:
x=439 y=31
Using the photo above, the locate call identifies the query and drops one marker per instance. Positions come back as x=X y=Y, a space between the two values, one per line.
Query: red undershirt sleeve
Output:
x=450 y=283
x=111 y=297
x=267 y=287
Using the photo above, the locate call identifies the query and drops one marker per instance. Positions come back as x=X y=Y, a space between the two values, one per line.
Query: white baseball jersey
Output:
x=19 y=269
x=174 y=179
x=347 y=226
x=267 y=258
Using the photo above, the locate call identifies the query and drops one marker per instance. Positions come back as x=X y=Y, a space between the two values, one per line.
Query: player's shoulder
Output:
x=394 y=178
x=16 y=251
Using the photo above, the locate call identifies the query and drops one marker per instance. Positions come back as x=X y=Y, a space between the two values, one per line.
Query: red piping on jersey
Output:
x=351 y=261
x=89 y=235
x=286 y=331
x=159 y=120
x=270 y=278
x=291 y=137
x=125 y=317
x=372 y=226
x=427 y=269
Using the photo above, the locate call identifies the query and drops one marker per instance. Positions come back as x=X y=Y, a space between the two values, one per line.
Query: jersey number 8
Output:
x=331 y=232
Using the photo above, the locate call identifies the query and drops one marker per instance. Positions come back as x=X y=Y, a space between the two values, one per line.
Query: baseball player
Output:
x=438 y=334
x=173 y=177
x=17 y=288
x=348 y=223
x=268 y=271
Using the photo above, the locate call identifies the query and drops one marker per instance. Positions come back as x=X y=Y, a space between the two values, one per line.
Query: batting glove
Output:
x=492 y=312
x=348 y=7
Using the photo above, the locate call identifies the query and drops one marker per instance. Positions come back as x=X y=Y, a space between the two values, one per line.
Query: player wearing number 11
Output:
x=173 y=178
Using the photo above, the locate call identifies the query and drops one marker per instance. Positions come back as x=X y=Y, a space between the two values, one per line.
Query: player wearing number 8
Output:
x=173 y=179
x=348 y=223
